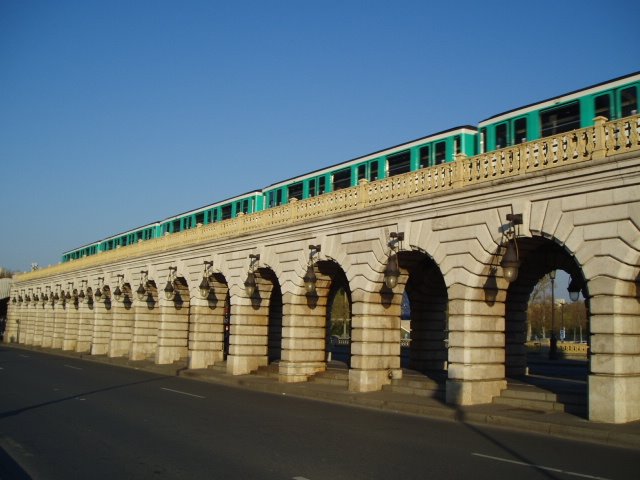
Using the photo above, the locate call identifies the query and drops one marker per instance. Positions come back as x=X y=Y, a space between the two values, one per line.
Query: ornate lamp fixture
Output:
x=117 y=293
x=205 y=284
x=511 y=259
x=392 y=270
x=27 y=298
x=98 y=293
x=310 y=278
x=141 y=291
x=250 y=282
x=169 y=289
x=81 y=295
x=574 y=289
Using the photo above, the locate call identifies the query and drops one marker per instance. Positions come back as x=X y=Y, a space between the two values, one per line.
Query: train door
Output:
x=520 y=129
x=501 y=132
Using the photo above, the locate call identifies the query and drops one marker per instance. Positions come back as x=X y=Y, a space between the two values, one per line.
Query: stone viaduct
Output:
x=258 y=289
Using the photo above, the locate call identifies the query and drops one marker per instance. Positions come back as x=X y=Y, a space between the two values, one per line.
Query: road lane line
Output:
x=71 y=366
x=24 y=356
x=183 y=393
x=299 y=478
x=540 y=467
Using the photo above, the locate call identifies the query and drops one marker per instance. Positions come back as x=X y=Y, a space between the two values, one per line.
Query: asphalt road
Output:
x=63 y=418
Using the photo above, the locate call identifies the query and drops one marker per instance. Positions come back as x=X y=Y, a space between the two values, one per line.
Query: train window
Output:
x=279 y=196
x=321 y=185
x=175 y=226
x=312 y=187
x=200 y=218
x=520 y=130
x=214 y=215
x=501 y=135
x=295 y=191
x=482 y=140
x=362 y=172
x=373 y=171
x=342 y=179
x=628 y=101
x=245 y=205
x=424 y=156
x=226 y=212
x=603 y=106
x=440 y=152
x=399 y=163
x=560 y=119
x=457 y=144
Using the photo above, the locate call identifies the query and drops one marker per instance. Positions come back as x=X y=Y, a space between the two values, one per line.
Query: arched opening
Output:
x=338 y=313
x=274 y=340
x=423 y=317
x=173 y=333
x=546 y=332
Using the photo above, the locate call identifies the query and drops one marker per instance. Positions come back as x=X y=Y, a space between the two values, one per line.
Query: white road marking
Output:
x=183 y=393
x=24 y=356
x=299 y=478
x=540 y=467
x=71 y=366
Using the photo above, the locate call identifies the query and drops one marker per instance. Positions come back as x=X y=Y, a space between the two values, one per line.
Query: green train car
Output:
x=406 y=157
x=613 y=99
x=617 y=98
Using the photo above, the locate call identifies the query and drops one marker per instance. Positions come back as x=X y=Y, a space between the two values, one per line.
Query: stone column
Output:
x=476 y=347
x=71 y=327
x=146 y=319
x=248 y=339
x=49 y=324
x=122 y=328
x=29 y=324
x=375 y=338
x=173 y=332
x=101 y=327
x=304 y=334
x=38 y=330
x=86 y=316
x=206 y=329
x=59 y=324
x=614 y=382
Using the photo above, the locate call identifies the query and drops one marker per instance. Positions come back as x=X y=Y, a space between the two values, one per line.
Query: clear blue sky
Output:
x=114 y=114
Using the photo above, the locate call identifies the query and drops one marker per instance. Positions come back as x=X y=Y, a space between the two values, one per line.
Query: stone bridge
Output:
x=260 y=288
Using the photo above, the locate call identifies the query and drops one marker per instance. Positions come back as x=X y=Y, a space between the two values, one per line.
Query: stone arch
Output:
x=338 y=314
x=428 y=304
x=538 y=257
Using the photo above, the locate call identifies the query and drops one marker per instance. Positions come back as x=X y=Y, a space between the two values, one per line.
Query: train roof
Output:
x=211 y=205
x=370 y=156
x=615 y=82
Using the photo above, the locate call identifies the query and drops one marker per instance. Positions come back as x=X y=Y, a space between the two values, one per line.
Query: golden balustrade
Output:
x=599 y=141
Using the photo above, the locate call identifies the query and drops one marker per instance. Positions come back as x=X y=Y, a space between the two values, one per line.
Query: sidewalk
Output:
x=559 y=424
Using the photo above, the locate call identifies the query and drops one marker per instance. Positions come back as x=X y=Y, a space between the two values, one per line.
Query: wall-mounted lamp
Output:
x=169 y=289
x=141 y=291
x=117 y=293
x=392 y=270
x=27 y=297
x=250 y=282
x=81 y=295
x=205 y=284
x=511 y=259
x=56 y=296
x=98 y=293
x=310 y=278
x=575 y=286
x=69 y=291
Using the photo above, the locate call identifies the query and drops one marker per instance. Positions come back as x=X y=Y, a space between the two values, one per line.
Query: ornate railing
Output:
x=599 y=141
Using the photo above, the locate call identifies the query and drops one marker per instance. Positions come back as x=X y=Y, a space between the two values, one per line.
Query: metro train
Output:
x=613 y=99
